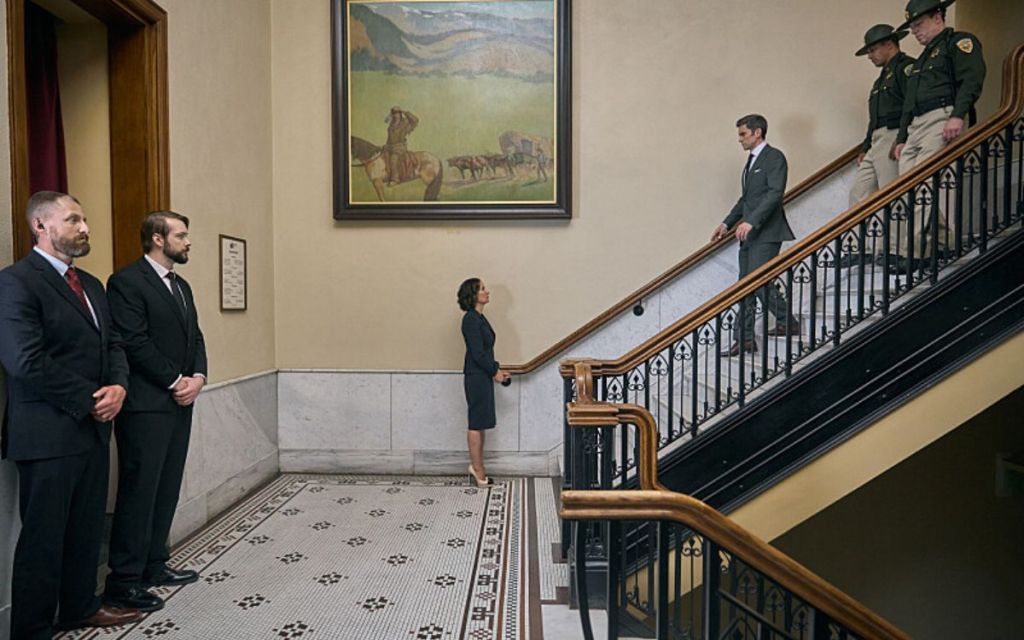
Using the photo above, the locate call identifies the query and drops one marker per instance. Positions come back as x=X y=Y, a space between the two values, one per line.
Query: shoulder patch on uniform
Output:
x=965 y=44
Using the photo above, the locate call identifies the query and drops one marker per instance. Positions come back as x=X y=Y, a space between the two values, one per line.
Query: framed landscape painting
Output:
x=455 y=109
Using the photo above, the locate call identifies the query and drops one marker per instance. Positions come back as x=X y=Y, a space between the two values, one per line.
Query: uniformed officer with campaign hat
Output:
x=876 y=164
x=945 y=82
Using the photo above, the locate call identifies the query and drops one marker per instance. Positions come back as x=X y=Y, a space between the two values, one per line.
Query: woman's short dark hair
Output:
x=467 y=293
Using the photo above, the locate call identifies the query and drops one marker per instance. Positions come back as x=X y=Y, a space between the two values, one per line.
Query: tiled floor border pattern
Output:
x=501 y=600
x=554 y=576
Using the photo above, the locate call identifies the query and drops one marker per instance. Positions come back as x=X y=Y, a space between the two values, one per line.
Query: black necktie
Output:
x=746 y=168
x=176 y=290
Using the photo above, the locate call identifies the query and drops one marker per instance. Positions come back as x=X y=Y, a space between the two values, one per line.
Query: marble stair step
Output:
x=776 y=349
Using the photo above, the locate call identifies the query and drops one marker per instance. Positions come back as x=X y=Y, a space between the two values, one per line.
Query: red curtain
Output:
x=47 y=163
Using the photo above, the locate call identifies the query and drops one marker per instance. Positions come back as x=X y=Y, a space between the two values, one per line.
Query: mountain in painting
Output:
x=403 y=39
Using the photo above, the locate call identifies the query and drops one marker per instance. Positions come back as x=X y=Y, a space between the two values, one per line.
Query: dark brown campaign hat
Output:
x=917 y=8
x=880 y=33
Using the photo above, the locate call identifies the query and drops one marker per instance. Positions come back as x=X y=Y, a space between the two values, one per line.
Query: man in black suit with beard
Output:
x=759 y=222
x=155 y=312
x=66 y=380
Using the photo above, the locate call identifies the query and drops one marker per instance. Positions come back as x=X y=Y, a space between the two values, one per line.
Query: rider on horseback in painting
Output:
x=400 y=125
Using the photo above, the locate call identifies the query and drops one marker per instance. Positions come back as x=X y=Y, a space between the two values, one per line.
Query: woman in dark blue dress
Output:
x=480 y=371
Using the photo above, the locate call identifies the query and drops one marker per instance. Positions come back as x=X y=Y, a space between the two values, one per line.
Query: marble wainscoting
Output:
x=395 y=422
x=233 y=449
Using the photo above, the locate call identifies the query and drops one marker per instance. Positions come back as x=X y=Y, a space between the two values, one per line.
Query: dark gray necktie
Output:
x=746 y=168
x=176 y=290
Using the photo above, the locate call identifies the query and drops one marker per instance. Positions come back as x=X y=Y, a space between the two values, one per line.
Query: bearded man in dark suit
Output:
x=67 y=378
x=155 y=312
x=759 y=223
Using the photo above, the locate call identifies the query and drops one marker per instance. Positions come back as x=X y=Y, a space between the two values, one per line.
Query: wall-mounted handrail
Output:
x=1011 y=106
x=673 y=272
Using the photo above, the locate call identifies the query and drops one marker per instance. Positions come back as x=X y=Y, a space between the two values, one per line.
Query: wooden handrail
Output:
x=675 y=271
x=791 y=575
x=1011 y=106
x=655 y=502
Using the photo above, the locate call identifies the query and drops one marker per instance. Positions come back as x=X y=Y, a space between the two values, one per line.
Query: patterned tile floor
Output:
x=323 y=557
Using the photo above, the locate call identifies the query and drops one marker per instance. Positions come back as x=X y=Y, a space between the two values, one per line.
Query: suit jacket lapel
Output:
x=53 y=278
x=149 y=274
x=190 y=311
x=758 y=161
x=94 y=295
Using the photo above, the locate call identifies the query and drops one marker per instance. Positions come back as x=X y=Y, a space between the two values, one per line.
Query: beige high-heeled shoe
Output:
x=486 y=482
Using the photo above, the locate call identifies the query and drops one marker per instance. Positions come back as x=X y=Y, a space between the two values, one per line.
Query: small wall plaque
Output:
x=233 y=278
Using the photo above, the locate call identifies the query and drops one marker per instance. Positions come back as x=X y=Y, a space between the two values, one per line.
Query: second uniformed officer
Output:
x=876 y=164
x=943 y=87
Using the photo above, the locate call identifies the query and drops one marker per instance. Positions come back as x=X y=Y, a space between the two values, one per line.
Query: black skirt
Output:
x=480 y=398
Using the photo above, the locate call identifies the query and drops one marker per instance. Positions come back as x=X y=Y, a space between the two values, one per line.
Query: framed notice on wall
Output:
x=233 y=278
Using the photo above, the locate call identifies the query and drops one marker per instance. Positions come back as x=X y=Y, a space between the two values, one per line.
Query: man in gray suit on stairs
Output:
x=759 y=222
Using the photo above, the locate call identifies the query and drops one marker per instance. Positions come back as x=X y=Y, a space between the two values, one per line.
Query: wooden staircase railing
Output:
x=1010 y=108
x=653 y=502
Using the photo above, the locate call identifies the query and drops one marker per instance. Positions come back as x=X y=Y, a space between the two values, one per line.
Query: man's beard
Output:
x=178 y=257
x=76 y=248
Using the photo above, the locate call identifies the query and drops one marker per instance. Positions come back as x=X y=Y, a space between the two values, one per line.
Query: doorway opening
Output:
x=133 y=175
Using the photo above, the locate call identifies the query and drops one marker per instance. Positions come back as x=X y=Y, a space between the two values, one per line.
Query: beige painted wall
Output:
x=999 y=24
x=658 y=85
x=85 y=109
x=222 y=166
x=929 y=544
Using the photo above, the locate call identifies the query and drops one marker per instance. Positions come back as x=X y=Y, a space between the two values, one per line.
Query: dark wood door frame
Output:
x=139 y=158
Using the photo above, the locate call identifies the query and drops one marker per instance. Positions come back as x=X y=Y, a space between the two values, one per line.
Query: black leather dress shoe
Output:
x=854 y=260
x=168 y=577
x=133 y=598
x=736 y=349
x=790 y=328
x=903 y=266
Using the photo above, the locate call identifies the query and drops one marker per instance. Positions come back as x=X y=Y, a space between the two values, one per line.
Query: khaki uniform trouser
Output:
x=877 y=169
x=924 y=139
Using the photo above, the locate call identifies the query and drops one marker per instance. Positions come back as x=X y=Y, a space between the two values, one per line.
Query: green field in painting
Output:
x=524 y=187
x=458 y=116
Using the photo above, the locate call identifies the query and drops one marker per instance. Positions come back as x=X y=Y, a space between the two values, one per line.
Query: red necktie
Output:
x=76 y=285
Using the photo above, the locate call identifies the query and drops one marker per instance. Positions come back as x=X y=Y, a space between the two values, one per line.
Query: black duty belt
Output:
x=888 y=123
x=928 y=105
